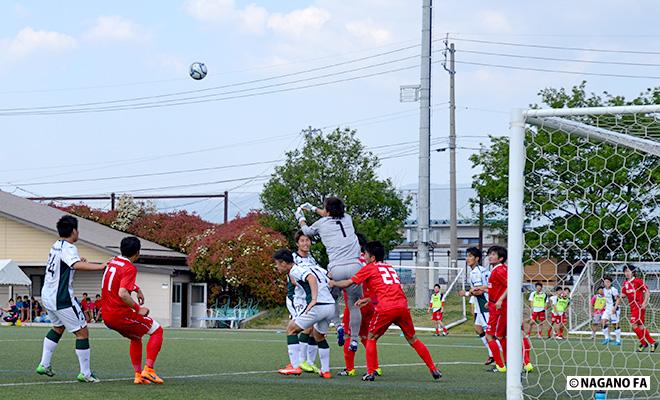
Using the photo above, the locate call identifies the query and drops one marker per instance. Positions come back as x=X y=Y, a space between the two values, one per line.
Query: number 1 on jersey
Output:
x=112 y=271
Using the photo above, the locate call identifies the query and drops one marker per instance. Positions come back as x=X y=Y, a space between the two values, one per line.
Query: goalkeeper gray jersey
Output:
x=338 y=237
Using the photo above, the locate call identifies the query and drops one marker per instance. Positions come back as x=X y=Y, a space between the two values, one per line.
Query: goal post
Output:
x=583 y=195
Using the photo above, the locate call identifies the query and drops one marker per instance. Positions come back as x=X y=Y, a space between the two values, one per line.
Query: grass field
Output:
x=242 y=364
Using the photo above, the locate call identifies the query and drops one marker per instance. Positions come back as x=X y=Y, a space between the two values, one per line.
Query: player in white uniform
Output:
x=319 y=311
x=57 y=298
x=478 y=296
x=612 y=312
x=335 y=228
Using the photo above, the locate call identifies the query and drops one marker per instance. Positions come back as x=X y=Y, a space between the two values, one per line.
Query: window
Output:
x=198 y=294
x=176 y=293
x=468 y=240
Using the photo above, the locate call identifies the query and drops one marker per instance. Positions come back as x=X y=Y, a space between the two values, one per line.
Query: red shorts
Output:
x=538 y=316
x=131 y=324
x=368 y=312
x=436 y=316
x=397 y=316
x=559 y=319
x=637 y=315
x=496 y=321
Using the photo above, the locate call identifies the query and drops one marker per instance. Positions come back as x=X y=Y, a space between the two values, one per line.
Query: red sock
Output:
x=549 y=330
x=561 y=331
x=444 y=329
x=136 y=354
x=423 y=352
x=503 y=344
x=372 y=356
x=349 y=356
x=527 y=347
x=648 y=337
x=640 y=334
x=497 y=355
x=153 y=346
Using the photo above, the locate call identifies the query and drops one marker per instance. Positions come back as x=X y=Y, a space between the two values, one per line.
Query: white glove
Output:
x=308 y=206
x=300 y=216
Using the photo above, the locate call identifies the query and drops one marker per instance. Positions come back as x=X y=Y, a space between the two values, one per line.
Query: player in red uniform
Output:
x=122 y=314
x=392 y=307
x=638 y=295
x=497 y=308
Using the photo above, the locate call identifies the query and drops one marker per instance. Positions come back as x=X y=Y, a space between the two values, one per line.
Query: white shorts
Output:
x=481 y=318
x=611 y=315
x=72 y=318
x=597 y=318
x=295 y=307
x=319 y=316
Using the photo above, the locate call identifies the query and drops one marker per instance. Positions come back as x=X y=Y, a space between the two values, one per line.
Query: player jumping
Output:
x=638 y=295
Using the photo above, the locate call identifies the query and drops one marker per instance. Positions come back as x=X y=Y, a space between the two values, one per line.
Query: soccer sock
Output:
x=423 y=352
x=527 y=347
x=292 y=345
x=482 y=336
x=312 y=350
x=349 y=357
x=606 y=332
x=136 y=354
x=503 y=344
x=50 y=344
x=83 y=352
x=153 y=346
x=372 y=356
x=495 y=351
x=324 y=355
x=640 y=334
x=617 y=334
x=549 y=330
x=304 y=339
x=561 y=331
x=648 y=337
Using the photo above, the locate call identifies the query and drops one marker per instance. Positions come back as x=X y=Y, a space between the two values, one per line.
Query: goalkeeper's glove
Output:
x=300 y=216
x=308 y=206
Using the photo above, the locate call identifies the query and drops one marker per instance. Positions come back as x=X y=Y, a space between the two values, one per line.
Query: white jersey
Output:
x=479 y=277
x=57 y=293
x=338 y=237
x=610 y=296
x=299 y=274
x=553 y=301
x=299 y=295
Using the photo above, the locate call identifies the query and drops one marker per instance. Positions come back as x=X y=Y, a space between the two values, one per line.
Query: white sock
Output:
x=606 y=333
x=483 y=339
x=83 y=359
x=324 y=355
x=303 y=351
x=617 y=332
x=312 y=350
x=47 y=353
x=294 y=354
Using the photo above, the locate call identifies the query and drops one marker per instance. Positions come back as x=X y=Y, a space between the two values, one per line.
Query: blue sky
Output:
x=97 y=51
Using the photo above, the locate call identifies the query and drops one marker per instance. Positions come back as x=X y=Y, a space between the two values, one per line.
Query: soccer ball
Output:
x=197 y=70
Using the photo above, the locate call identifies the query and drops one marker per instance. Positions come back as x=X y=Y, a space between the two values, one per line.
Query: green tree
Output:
x=335 y=164
x=581 y=195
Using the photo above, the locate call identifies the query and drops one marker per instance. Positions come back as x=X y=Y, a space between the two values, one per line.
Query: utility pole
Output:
x=423 y=191
x=453 y=222
x=481 y=224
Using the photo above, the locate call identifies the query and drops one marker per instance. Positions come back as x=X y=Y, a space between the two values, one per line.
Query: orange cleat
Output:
x=325 y=375
x=289 y=370
x=139 y=380
x=150 y=375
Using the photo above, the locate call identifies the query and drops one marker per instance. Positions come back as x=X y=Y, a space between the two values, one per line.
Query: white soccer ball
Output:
x=197 y=70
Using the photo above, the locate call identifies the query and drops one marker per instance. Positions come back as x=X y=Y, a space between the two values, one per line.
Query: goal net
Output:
x=583 y=202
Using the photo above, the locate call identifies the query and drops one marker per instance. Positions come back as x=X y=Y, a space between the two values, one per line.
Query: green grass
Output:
x=242 y=364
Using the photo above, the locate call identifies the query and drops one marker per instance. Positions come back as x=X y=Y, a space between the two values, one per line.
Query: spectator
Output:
x=19 y=307
x=97 y=309
x=37 y=309
x=25 y=311
x=87 y=307
x=12 y=312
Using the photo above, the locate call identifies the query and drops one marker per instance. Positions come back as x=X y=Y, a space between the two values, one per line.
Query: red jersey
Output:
x=497 y=283
x=634 y=289
x=383 y=283
x=87 y=304
x=119 y=273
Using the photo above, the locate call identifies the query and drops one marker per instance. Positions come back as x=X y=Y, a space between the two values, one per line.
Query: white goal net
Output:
x=584 y=189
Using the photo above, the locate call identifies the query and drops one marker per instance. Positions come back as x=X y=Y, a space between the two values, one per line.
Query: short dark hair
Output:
x=376 y=249
x=474 y=251
x=538 y=284
x=300 y=234
x=283 y=255
x=500 y=251
x=558 y=288
x=130 y=246
x=437 y=285
x=66 y=225
x=98 y=295
x=85 y=294
x=607 y=278
x=334 y=206
x=362 y=239
x=600 y=287
x=631 y=267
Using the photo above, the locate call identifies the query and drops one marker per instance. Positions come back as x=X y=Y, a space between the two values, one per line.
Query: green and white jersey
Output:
x=298 y=294
x=479 y=277
x=299 y=274
x=57 y=293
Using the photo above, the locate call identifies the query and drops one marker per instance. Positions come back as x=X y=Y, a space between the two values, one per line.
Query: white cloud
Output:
x=210 y=10
x=253 y=18
x=22 y=11
x=297 y=22
x=368 y=32
x=494 y=22
x=114 y=29
x=29 y=41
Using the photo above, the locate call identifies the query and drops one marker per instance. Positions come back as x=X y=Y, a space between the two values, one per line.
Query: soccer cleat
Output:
x=528 y=367
x=289 y=370
x=368 y=377
x=326 y=375
x=489 y=361
x=48 y=371
x=436 y=374
x=346 y=372
x=642 y=347
x=139 y=380
x=499 y=369
x=617 y=343
x=605 y=341
x=88 y=379
x=150 y=375
x=308 y=368
x=654 y=346
x=445 y=333
x=340 y=335
x=353 y=346
x=378 y=372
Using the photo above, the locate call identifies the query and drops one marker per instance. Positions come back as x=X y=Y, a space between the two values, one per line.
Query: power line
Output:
x=560 y=59
x=540 y=46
